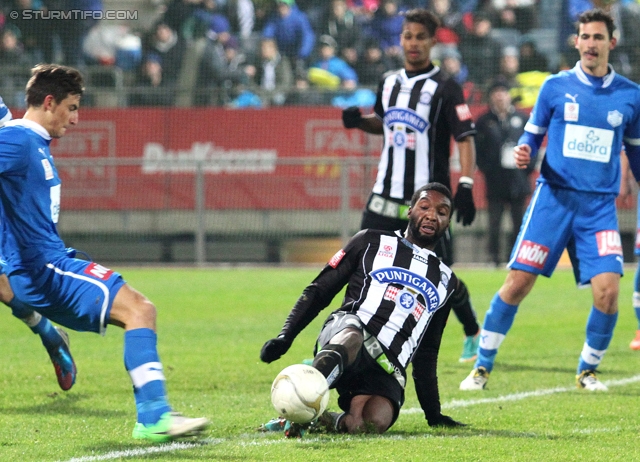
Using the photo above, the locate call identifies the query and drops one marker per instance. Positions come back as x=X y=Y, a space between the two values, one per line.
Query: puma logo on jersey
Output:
x=572 y=98
x=532 y=254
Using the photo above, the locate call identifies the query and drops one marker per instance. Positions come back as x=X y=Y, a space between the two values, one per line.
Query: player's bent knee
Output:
x=132 y=310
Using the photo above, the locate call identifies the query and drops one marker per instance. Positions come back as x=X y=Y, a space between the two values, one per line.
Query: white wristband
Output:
x=466 y=180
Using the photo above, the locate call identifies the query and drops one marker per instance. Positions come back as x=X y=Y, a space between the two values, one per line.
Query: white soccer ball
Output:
x=300 y=393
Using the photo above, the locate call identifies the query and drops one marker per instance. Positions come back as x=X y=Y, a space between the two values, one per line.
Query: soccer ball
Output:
x=300 y=393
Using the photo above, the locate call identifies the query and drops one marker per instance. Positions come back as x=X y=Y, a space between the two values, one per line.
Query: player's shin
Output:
x=144 y=367
x=37 y=323
x=330 y=361
x=599 y=333
x=497 y=322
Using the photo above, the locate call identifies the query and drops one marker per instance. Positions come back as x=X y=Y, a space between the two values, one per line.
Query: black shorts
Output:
x=366 y=377
x=371 y=220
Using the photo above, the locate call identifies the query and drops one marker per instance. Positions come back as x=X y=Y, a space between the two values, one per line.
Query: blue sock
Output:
x=37 y=323
x=599 y=332
x=497 y=323
x=144 y=367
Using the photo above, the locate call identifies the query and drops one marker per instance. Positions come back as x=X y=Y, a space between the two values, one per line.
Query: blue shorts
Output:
x=77 y=294
x=586 y=224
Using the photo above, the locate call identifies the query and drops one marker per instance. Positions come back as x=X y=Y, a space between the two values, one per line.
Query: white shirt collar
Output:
x=582 y=76
x=30 y=124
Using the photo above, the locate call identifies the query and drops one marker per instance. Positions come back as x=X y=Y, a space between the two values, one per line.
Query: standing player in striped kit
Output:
x=395 y=308
x=418 y=109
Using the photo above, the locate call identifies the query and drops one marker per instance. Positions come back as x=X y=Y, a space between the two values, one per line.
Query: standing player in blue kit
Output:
x=587 y=113
x=78 y=294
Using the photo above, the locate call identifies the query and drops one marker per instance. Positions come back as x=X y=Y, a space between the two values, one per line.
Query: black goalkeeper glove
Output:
x=463 y=204
x=351 y=117
x=445 y=421
x=273 y=349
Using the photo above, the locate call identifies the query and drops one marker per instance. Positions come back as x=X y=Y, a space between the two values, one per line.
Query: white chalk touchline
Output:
x=456 y=403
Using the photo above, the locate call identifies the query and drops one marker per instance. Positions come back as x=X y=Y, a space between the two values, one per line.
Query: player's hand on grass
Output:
x=273 y=349
x=351 y=117
x=445 y=421
x=463 y=204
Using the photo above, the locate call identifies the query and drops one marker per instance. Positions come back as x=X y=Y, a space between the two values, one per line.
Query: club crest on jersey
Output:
x=571 y=112
x=609 y=243
x=98 y=271
x=411 y=281
x=407 y=117
x=48 y=170
x=425 y=97
x=532 y=254
x=614 y=118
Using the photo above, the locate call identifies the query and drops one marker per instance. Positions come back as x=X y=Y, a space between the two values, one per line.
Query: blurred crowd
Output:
x=255 y=53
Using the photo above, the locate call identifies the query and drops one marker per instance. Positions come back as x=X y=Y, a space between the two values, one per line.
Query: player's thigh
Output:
x=597 y=245
x=545 y=231
x=132 y=310
x=74 y=293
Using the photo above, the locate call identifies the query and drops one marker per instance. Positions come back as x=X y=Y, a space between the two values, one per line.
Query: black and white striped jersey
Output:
x=394 y=287
x=420 y=113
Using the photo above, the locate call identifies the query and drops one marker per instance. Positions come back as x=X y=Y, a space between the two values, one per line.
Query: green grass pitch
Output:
x=211 y=326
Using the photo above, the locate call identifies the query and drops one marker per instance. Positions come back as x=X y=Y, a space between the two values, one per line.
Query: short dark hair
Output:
x=433 y=186
x=424 y=17
x=53 y=79
x=596 y=15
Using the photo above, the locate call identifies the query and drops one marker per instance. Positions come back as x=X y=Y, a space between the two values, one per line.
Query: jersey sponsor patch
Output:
x=48 y=170
x=587 y=143
x=336 y=258
x=532 y=254
x=98 y=271
x=407 y=117
x=463 y=112
x=609 y=243
x=638 y=238
x=410 y=281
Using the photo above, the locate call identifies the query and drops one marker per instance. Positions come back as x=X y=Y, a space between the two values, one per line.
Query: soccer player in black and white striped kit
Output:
x=418 y=109
x=394 y=311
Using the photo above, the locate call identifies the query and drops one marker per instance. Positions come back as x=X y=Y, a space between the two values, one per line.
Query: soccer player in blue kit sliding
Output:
x=587 y=113
x=77 y=294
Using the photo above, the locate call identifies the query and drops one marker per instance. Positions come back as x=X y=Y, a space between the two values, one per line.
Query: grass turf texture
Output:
x=212 y=324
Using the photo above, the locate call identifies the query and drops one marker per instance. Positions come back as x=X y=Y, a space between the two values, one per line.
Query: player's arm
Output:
x=315 y=297
x=371 y=123
x=425 y=363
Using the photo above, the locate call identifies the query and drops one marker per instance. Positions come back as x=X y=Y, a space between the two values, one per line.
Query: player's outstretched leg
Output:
x=156 y=422
x=54 y=339
x=635 y=343
x=462 y=308
x=599 y=333
x=497 y=322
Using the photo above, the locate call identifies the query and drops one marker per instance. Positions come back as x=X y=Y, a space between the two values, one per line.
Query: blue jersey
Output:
x=5 y=113
x=586 y=125
x=29 y=197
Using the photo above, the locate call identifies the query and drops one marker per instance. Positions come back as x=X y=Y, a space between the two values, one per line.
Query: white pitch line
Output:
x=458 y=403
x=175 y=446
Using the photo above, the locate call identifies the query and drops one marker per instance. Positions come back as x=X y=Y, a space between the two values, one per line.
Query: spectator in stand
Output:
x=168 y=46
x=294 y=35
x=12 y=50
x=330 y=71
x=510 y=65
x=451 y=64
x=272 y=76
x=364 y=9
x=242 y=18
x=480 y=52
x=448 y=34
x=340 y=23
x=371 y=65
x=180 y=13
x=35 y=34
x=520 y=15
x=531 y=59
x=152 y=89
x=221 y=69
x=386 y=26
